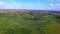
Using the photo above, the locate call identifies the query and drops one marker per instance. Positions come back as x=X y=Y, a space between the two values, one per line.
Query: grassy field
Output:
x=18 y=23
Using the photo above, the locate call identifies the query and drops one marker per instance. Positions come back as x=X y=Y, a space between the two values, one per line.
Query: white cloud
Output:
x=6 y=6
x=2 y=3
x=58 y=0
x=50 y=0
x=11 y=0
x=14 y=3
x=51 y=5
x=57 y=5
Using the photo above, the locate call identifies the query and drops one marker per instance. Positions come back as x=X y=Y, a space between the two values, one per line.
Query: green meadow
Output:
x=21 y=23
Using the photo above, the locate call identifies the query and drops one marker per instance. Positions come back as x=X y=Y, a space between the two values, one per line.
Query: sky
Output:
x=30 y=4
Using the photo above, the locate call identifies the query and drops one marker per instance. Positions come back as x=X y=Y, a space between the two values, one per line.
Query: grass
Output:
x=17 y=23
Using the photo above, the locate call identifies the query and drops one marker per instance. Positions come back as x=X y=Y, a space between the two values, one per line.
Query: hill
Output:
x=23 y=23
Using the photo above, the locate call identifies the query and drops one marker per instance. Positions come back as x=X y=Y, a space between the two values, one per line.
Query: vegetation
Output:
x=21 y=23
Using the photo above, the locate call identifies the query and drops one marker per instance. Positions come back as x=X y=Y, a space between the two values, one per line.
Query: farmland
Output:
x=23 y=23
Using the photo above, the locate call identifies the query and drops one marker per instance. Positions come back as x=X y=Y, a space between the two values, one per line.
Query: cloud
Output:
x=14 y=3
x=54 y=0
x=51 y=5
x=50 y=0
x=11 y=0
x=30 y=7
x=2 y=3
x=7 y=6
x=58 y=0
x=57 y=5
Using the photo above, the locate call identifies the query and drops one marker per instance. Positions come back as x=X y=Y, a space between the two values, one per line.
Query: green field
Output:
x=18 y=23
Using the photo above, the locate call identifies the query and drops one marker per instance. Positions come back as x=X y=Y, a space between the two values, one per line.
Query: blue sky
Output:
x=30 y=4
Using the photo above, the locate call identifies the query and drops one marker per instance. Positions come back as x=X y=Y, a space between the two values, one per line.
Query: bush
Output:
x=24 y=30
